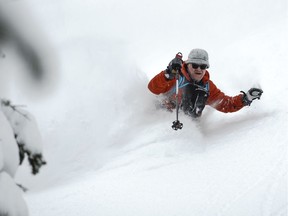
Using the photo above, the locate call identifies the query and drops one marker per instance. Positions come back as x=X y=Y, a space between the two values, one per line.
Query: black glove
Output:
x=252 y=94
x=174 y=66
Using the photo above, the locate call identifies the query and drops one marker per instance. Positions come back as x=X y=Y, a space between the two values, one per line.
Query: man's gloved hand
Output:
x=252 y=94
x=174 y=66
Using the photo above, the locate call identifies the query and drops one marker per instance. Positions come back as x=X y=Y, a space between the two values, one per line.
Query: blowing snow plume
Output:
x=25 y=52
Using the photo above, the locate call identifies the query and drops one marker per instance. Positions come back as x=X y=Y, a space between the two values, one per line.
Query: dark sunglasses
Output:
x=202 y=66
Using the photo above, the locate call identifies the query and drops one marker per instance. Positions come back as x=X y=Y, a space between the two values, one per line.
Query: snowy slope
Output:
x=111 y=152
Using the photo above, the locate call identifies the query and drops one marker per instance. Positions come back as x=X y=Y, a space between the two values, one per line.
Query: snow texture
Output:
x=17 y=126
x=24 y=127
x=11 y=201
x=111 y=151
x=9 y=154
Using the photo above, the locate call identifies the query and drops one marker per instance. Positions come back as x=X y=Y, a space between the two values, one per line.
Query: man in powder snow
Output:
x=195 y=87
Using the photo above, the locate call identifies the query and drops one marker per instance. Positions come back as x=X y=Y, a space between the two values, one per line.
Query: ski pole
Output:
x=177 y=124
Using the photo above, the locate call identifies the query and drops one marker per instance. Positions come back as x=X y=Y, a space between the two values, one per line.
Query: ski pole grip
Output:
x=179 y=55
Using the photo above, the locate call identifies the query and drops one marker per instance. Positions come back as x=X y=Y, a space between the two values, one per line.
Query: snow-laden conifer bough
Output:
x=25 y=51
x=19 y=137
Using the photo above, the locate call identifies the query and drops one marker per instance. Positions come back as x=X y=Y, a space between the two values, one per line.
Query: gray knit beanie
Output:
x=198 y=56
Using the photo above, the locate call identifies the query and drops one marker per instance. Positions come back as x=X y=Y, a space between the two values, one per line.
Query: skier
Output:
x=195 y=87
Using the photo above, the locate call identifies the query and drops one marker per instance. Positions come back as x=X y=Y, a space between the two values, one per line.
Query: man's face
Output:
x=196 y=72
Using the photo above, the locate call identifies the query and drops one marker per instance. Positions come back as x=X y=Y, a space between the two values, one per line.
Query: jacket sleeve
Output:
x=222 y=102
x=159 y=84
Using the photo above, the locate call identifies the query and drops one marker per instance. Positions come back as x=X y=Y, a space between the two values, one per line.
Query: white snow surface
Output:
x=25 y=127
x=12 y=201
x=110 y=151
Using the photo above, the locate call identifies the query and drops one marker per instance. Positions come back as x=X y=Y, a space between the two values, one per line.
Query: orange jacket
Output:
x=217 y=99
